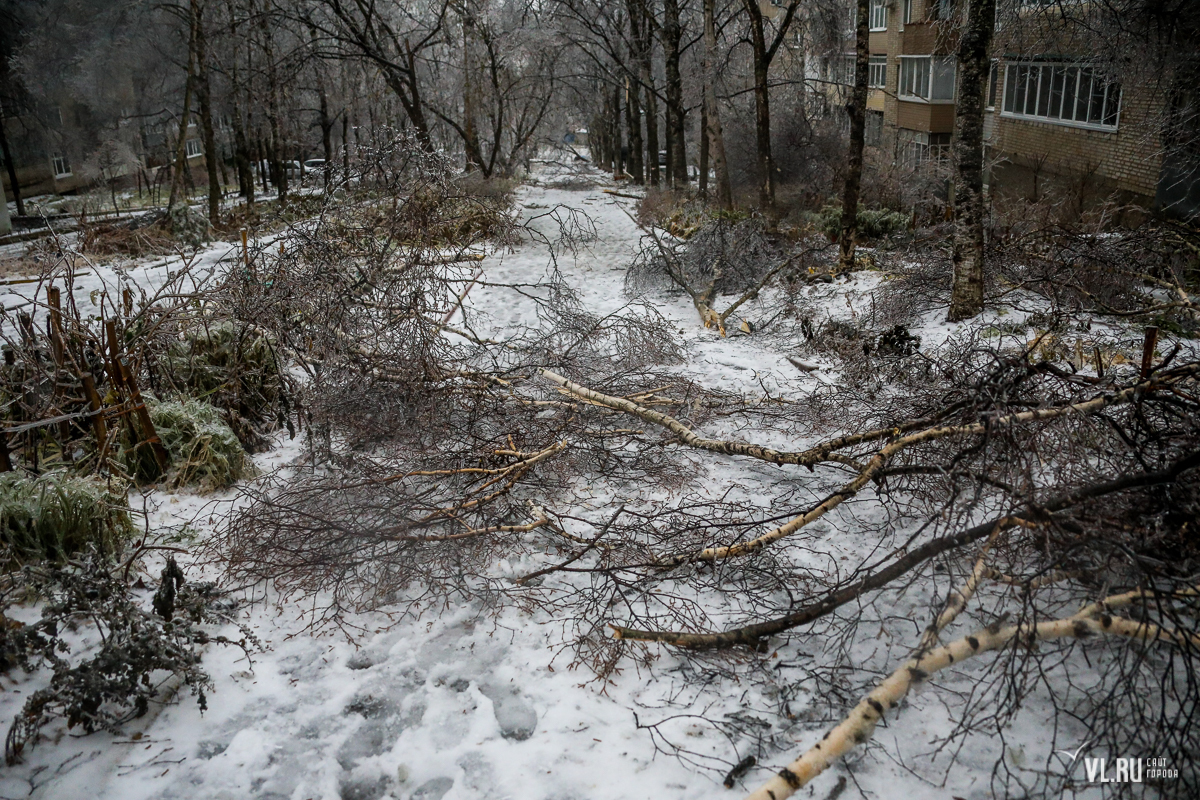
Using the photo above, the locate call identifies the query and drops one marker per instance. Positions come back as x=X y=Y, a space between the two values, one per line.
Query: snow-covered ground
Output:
x=465 y=704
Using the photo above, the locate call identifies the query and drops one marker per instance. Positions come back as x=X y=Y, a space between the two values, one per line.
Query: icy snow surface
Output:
x=464 y=706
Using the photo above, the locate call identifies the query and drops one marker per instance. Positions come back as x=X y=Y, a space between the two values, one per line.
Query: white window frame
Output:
x=194 y=150
x=873 y=128
x=1039 y=105
x=840 y=70
x=908 y=11
x=61 y=166
x=910 y=90
x=877 y=72
x=919 y=149
x=879 y=15
x=941 y=10
x=995 y=84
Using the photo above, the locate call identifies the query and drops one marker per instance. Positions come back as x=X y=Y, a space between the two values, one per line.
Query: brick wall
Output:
x=1128 y=158
x=930 y=117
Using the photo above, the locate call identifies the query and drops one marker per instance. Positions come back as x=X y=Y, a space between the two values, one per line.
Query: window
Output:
x=193 y=148
x=877 y=72
x=920 y=148
x=62 y=166
x=873 y=128
x=908 y=11
x=941 y=9
x=993 y=84
x=939 y=148
x=929 y=78
x=1070 y=94
x=879 y=15
x=840 y=69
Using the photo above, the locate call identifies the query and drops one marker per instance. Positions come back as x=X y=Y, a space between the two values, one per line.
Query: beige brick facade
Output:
x=1127 y=159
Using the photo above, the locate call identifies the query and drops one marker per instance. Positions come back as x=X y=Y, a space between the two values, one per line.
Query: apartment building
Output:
x=44 y=146
x=58 y=148
x=1055 y=120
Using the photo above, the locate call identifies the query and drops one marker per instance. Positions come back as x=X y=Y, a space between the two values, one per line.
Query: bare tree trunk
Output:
x=275 y=144
x=177 y=172
x=347 y=112
x=668 y=149
x=974 y=67
x=618 y=165
x=762 y=138
x=672 y=33
x=633 y=121
x=9 y=164
x=634 y=74
x=470 y=130
x=5 y=229
x=713 y=133
x=856 y=109
x=646 y=72
x=326 y=130
x=12 y=170
x=404 y=84
x=654 y=175
x=703 y=148
x=762 y=107
x=323 y=120
x=203 y=96
x=260 y=158
x=346 y=141
x=241 y=146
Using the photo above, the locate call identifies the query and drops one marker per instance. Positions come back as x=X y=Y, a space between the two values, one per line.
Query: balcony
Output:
x=928 y=117
x=935 y=37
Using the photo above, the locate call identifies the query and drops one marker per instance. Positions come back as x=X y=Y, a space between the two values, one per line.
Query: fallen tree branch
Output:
x=881 y=458
x=958 y=599
x=751 y=635
x=451 y=537
x=810 y=457
x=596 y=540
x=860 y=723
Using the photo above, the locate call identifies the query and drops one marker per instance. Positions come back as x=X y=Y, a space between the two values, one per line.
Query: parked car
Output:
x=314 y=163
x=292 y=168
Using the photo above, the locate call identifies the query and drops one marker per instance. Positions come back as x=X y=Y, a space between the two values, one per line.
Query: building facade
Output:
x=1055 y=119
x=57 y=149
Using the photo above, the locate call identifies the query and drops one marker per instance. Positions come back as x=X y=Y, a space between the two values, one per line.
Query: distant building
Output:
x=58 y=149
x=45 y=148
x=1056 y=119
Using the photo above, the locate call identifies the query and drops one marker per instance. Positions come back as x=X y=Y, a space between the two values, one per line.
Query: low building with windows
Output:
x=45 y=153
x=58 y=148
x=1058 y=116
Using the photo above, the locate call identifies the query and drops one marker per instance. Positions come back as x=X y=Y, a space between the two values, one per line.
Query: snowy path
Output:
x=463 y=707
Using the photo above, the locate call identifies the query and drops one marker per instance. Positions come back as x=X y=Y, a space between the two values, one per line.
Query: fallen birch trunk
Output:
x=858 y=727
